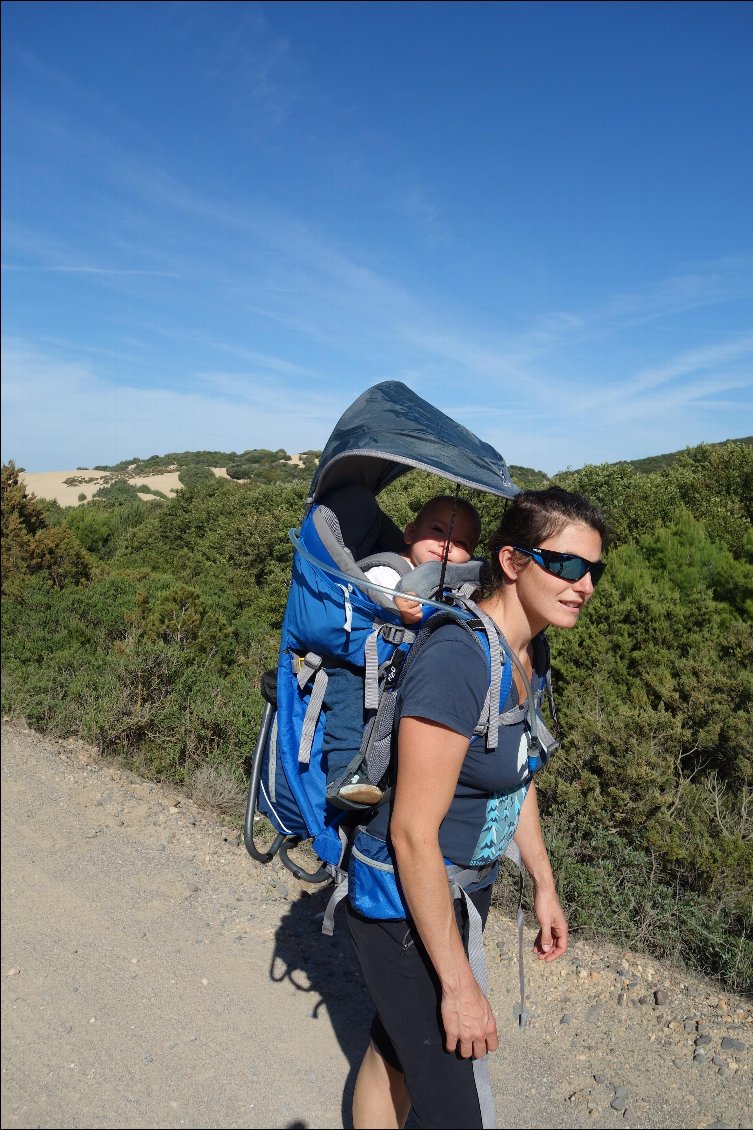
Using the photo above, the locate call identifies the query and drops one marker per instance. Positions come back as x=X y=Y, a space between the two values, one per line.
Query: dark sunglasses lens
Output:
x=574 y=568
x=597 y=572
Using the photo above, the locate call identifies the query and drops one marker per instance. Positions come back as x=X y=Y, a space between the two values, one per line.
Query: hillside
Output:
x=661 y=462
x=150 y=479
x=161 y=476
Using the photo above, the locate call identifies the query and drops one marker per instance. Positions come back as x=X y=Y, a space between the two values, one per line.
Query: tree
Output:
x=29 y=546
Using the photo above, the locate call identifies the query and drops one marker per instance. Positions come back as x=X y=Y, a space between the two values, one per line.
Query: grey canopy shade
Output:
x=388 y=430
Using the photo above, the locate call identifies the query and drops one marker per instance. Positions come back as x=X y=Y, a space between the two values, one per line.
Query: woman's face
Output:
x=553 y=600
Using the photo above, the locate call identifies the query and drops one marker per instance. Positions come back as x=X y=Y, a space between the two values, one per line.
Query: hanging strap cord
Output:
x=520 y=1012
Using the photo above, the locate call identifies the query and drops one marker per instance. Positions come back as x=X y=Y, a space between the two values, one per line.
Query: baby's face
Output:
x=427 y=536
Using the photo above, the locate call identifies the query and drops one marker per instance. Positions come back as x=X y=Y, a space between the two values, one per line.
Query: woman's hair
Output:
x=535 y=515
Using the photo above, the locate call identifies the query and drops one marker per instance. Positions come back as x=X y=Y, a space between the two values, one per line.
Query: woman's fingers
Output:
x=471 y=1031
x=476 y=1049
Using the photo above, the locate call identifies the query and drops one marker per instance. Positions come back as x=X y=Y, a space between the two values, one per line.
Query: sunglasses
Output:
x=566 y=565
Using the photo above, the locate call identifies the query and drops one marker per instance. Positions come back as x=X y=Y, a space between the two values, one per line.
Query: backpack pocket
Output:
x=373 y=887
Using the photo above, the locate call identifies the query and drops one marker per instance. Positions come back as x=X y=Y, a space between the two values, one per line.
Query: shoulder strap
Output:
x=543 y=668
x=541 y=744
x=377 y=741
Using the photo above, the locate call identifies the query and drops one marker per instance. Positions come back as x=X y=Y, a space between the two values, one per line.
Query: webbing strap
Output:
x=304 y=666
x=514 y=715
x=340 y=878
x=495 y=681
x=477 y=962
x=339 y=893
x=533 y=700
x=313 y=710
x=518 y=713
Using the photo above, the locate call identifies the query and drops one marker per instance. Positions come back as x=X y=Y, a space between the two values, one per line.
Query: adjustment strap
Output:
x=313 y=710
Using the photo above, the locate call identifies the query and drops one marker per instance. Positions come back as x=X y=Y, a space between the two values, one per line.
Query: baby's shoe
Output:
x=359 y=790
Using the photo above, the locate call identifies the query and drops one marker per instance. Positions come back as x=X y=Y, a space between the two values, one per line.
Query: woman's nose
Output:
x=585 y=584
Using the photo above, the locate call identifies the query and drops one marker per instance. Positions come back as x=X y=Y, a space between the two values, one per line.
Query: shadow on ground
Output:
x=326 y=969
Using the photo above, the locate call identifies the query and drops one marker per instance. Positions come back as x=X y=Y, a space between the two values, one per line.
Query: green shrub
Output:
x=145 y=628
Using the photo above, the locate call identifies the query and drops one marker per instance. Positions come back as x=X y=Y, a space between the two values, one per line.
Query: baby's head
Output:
x=426 y=535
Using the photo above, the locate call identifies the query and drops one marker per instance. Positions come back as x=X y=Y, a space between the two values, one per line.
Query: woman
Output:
x=432 y=1019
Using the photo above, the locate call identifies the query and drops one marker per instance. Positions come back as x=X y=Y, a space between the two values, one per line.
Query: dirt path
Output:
x=154 y=976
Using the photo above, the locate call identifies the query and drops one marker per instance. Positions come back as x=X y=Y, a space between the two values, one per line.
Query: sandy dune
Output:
x=66 y=487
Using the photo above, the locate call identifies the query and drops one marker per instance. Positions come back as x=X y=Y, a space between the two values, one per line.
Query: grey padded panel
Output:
x=424 y=579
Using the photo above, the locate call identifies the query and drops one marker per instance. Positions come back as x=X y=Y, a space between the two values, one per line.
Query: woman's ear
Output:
x=508 y=563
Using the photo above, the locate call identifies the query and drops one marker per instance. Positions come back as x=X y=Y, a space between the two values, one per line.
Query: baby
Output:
x=426 y=538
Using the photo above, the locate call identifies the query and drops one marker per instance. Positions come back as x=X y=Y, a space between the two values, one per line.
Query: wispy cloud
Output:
x=240 y=266
x=707 y=284
x=105 y=271
x=712 y=360
x=57 y=414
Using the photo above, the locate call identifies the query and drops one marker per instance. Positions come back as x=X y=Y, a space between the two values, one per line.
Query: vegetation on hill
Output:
x=527 y=478
x=664 y=462
x=144 y=627
x=259 y=464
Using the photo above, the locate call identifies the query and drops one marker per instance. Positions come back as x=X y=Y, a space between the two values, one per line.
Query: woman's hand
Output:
x=469 y=1024
x=551 y=940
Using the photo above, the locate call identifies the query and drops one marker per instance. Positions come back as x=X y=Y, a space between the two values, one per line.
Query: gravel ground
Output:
x=153 y=975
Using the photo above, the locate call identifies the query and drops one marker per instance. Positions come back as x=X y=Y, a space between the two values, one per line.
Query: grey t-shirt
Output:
x=447 y=683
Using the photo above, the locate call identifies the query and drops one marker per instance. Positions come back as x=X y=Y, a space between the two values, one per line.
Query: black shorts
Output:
x=407 y=1028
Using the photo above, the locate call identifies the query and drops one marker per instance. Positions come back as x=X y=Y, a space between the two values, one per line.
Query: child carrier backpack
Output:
x=334 y=614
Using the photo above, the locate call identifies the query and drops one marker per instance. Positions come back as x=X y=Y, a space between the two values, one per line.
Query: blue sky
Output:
x=223 y=221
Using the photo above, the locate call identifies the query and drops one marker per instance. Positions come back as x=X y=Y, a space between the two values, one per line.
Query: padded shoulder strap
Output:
x=541 y=655
x=543 y=669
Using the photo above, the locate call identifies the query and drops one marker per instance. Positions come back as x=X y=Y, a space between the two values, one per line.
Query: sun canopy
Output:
x=389 y=429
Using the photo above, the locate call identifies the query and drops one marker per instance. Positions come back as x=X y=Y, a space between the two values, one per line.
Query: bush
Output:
x=30 y=546
x=195 y=475
x=145 y=628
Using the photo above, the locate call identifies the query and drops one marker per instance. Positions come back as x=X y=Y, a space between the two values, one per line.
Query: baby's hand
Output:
x=410 y=610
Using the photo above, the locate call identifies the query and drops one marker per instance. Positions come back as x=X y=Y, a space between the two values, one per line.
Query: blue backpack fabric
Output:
x=332 y=615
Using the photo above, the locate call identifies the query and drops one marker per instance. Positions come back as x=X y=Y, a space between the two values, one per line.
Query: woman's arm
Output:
x=551 y=941
x=429 y=760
